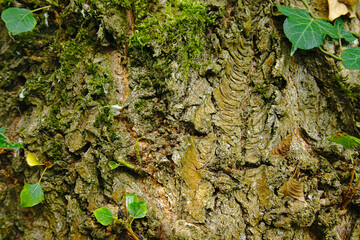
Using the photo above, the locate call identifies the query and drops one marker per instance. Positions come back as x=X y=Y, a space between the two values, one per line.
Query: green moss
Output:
x=72 y=54
x=36 y=87
x=53 y=118
x=177 y=33
x=139 y=104
x=97 y=79
x=54 y=149
x=104 y=118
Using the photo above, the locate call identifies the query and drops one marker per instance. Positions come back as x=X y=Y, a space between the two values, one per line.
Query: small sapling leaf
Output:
x=104 y=216
x=31 y=195
x=18 y=20
x=5 y=143
x=138 y=209
x=303 y=31
x=351 y=58
x=346 y=140
x=32 y=160
x=113 y=165
x=341 y=32
x=130 y=198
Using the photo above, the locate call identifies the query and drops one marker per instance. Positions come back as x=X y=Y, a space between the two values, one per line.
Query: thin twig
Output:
x=38 y=9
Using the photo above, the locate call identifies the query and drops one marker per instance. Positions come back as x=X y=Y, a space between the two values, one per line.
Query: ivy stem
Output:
x=340 y=45
x=126 y=164
x=350 y=194
x=38 y=9
x=355 y=34
x=308 y=8
x=131 y=232
x=137 y=150
x=330 y=54
x=310 y=12
x=128 y=228
x=42 y=174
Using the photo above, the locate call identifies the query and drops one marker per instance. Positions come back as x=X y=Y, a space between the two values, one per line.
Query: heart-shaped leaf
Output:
x=346 y=140
x=5 y=143
x=303 y=31
x=341 y=32
x=104 y=216
x=31 y=195
x=18 y=20
x=130 y=198
x=113 y=164
x=351 y=58
x=138 y=209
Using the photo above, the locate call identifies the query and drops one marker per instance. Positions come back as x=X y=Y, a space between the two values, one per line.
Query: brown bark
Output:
x=79 y=93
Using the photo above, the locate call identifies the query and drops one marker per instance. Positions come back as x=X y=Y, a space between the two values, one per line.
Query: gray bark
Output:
x=78 y=95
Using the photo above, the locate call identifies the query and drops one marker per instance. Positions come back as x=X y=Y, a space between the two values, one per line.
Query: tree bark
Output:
x=220 y=112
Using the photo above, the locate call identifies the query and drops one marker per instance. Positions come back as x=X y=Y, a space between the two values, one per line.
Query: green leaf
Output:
x=138 y=209
x=130 y=198
x=113 y=164
x=303 y=31
x=346 y=140
x=291 y=12
x=5 y=143
x=341 y=32
x=104 y=216
x=31 y=195
x=351 y=58
x=18 y=20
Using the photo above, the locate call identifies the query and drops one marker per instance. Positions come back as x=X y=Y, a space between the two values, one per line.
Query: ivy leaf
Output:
x=31 y=195
x=18 y=20
x=32 y=160
x=341 y=32
x=104 y=216
x=130 y=198
x=113 y=165
x=5 y=143
x=138 y=209
x=351 y=58
x=303 y=31
x=346 y=140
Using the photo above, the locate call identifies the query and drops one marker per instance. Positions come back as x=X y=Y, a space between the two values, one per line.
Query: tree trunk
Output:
x=203 y=99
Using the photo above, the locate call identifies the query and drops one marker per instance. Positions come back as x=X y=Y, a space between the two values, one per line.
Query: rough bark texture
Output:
x=209 y=95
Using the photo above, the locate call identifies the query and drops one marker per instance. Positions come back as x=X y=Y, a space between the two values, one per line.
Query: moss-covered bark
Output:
x=205 y=90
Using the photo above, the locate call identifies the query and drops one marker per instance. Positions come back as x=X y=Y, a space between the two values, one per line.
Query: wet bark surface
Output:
x=222 y=118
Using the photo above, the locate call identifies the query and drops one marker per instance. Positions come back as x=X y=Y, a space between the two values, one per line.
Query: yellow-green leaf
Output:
x=32 y=160
x=344 y=139
x=31 y=195
x=104 y=216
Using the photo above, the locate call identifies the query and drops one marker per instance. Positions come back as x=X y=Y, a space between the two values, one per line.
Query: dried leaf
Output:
x=282 y=149
x=336 y=9
x=294 y=189
x=348 y=2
